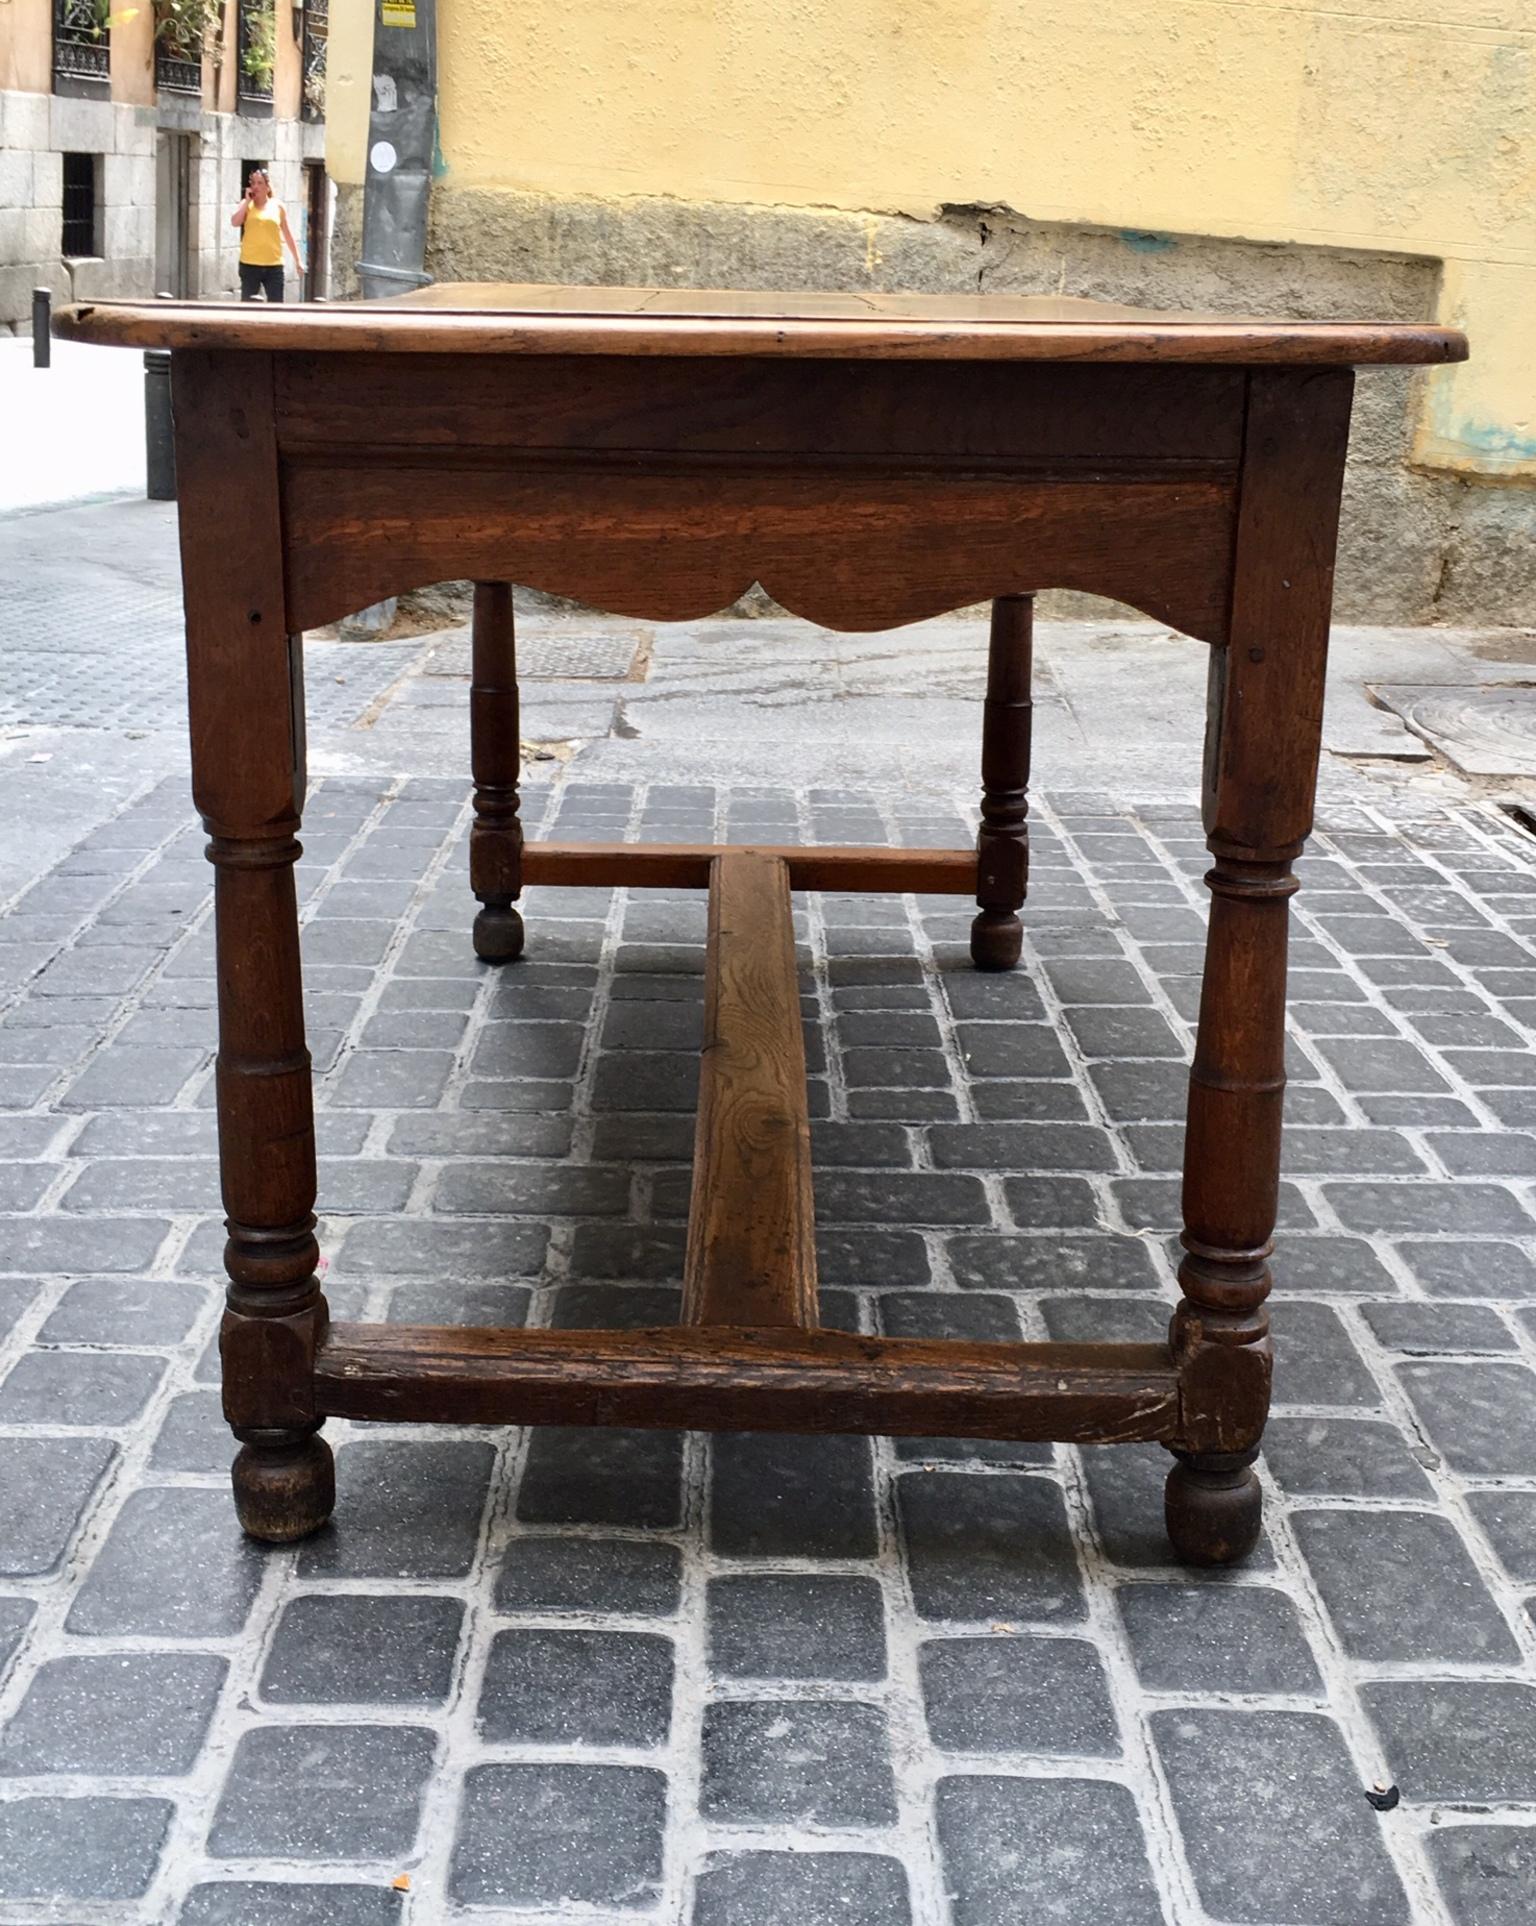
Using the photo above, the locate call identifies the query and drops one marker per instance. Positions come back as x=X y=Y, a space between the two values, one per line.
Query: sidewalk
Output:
x=747 y=1681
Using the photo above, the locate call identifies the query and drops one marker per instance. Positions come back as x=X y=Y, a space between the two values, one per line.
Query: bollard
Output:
x=159 y=436
x=42 y=327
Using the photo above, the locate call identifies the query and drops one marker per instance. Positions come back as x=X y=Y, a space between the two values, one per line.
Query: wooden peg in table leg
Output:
x=1002 y=844
x=496 y=837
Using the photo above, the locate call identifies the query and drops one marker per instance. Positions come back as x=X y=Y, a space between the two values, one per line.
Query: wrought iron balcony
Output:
x=80 y=46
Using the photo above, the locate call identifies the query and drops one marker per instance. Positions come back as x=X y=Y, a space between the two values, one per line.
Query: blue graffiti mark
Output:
x=439 y=165
x=1142 y=243
x=1489 y=439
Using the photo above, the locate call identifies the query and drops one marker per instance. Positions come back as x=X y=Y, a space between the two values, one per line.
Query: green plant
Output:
x=182 y=26
x=258 y=56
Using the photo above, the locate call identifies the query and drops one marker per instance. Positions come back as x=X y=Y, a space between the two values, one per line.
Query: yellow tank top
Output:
x=261 y=238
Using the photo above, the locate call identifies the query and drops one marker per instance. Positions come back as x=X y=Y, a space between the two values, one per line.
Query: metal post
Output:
x=42 y=327
x=159 y=438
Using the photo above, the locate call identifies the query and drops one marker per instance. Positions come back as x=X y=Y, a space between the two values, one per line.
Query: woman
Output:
x=263 y=225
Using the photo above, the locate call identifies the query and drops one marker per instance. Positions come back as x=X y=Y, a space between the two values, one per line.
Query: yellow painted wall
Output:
x=1405 y=125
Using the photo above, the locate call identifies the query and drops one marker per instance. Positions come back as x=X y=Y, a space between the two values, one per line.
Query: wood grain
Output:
x=663 y=541
x=751 y=1251
x=574 y=323
x=853 y=868
x=716 y=1378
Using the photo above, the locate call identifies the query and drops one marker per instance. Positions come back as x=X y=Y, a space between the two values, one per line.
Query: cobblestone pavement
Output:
x=750 y=1681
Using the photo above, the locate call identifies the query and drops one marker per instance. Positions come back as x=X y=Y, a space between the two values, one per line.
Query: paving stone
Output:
x=45 y=1486
x=795 y=1626
x=70 y=1246
x=988 y=1546
x=1508 y=1519
x=1217 y=1638
x=78 y=1387
x=577 y=1687
x=1153 y=1203
x=1428 y=1330
x=1298 y=1784
x=356 y=1649
x=243 y=1902
x=1342 y=1458
x=1458 y=1740
x=100 y=1310
x=1481 y=1417
x=323 y=1792
x=403 y=1510
x=972 y=993
x=785 y=1763
x=126 y=1073
x=1338 y=1265
x=998 y=1694
x=635 y=1577
x=1487 y=1873
x=58 y=1849
x=560 y=1835
x=908 y=1197
x=499 y=1133
x=1485 y=1153
x=1399 y=1585
x=1044 y=1852
x=424 y=1247
x=1006 y=1147
x=1470 y=1268
x=1011 y=1050
x=1315 y=1361
x=1107 y=1261
x=175 y=1565
x=812 y=1889
x=1438 y=1209
x=870 y=1256
x=779 y=1495
x=609 y=1477
x=138 y=1715
x=391 y=1079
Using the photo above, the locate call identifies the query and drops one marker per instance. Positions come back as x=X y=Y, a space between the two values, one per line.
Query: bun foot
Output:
x=1214 y=1507
x=498 y=932
x=285 y=1489
x=997 y=940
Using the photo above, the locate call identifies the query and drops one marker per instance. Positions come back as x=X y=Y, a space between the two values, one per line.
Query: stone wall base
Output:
x=1416 y=547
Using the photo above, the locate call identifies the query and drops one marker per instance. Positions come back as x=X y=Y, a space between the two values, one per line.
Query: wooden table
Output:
x=870 y=460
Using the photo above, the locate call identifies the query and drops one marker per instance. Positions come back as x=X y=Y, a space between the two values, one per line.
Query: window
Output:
x=81 y=57
x=81 y=205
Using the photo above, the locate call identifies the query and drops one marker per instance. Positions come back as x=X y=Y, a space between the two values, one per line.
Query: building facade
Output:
x=127 y=128
x=1286 y=157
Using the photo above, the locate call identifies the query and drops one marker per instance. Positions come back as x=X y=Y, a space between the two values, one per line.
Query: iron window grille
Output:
x=79 y=236
x=317 y=28
x=257 y=28
x=80 y=46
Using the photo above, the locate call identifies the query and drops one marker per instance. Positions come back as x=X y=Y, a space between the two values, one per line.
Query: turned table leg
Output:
x=1002 y=843
x=245 y=702
x=496 y=839
x=1262 y=745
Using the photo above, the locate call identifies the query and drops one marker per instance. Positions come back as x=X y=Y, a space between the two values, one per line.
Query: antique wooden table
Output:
x=870 y=460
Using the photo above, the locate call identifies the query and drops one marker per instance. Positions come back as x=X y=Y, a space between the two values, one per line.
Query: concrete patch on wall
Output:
x=1415 y=546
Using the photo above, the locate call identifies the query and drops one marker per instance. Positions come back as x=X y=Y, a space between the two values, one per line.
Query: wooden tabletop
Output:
x=497 y=318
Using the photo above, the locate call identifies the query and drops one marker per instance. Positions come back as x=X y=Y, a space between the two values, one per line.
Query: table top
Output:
x=499 y=318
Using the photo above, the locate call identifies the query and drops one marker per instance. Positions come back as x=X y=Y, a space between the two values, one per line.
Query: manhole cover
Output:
x=1483 y=732
x=555 y=656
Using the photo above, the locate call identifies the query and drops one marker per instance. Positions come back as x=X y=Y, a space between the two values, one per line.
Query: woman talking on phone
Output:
x=263 y=225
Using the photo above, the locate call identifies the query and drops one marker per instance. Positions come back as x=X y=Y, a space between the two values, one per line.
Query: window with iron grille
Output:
x=317 y=27
x=81 y=231
x=81 y=54
x=257 y=49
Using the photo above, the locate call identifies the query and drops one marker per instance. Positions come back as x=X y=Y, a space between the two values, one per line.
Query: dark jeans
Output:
x=260 y=280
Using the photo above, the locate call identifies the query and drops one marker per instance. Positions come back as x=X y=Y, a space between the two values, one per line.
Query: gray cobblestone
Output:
x=925 y=1608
